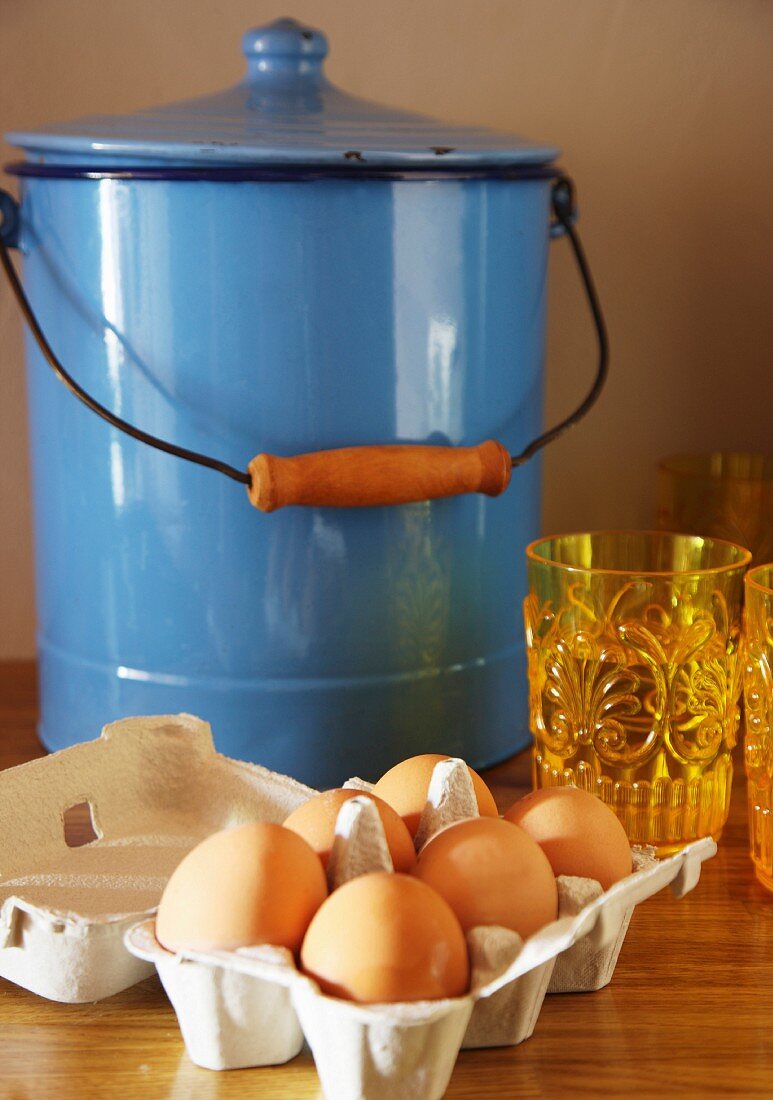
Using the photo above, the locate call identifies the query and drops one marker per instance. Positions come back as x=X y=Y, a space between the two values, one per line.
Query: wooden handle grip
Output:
x=360 y=477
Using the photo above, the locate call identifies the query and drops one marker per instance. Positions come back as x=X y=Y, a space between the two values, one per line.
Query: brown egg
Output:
x=384 y=938
x=254 y=884
x=490 y=872
x=315 y=821
x=405 y=786
x=578 y=833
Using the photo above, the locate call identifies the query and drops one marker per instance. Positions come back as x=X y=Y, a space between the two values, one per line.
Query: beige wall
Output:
x=664 y=110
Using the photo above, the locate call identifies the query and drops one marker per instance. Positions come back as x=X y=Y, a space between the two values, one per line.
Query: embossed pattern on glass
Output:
x=635 y=675
x=726 y=494
x=758 y=701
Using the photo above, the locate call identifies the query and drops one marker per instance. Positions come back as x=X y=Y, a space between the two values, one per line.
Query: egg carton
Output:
x=153 y=788
x=252 y=1007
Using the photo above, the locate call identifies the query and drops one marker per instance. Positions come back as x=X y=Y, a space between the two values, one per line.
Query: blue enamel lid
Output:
x=284 y=112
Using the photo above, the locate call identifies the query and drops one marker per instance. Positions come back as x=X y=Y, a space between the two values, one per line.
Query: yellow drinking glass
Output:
x=758 y=700
x=635 y=675
x=725 y=494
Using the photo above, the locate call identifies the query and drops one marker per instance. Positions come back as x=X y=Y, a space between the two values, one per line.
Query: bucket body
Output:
x=284 y=317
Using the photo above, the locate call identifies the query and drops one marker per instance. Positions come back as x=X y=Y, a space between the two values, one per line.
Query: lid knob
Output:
x=284 y=46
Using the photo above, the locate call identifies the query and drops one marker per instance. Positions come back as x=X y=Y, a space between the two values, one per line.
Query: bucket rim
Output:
x=280 y=173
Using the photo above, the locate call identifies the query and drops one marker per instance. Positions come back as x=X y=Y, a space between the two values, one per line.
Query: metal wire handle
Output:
x=564 y=211
x=563 y=207
x=75 y=388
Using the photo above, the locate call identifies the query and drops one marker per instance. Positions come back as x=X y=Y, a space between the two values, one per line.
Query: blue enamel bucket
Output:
x=284 y=268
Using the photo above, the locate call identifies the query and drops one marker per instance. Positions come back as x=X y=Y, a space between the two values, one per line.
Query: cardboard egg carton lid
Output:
x=154 y=788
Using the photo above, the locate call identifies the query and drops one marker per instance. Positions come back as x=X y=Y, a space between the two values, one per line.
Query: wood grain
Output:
x=357 y=477
x=689 y=1011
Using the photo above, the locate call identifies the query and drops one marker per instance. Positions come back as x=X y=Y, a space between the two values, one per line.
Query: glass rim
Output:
x=682 y=462
x=745 y=556
x=752 y=578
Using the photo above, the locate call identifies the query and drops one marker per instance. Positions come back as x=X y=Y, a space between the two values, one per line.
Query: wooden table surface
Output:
x=689 y=1011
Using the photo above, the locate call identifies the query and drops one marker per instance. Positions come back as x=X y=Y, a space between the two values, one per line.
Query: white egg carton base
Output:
x=251 y=1007
x=238 y=1008
x=156 y=787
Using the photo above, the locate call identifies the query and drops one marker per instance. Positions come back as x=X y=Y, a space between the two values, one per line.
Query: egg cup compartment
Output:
x=382 y=1052
x=234 y=1008
x=603 y=917
x=154 y=787
x=509 y=983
